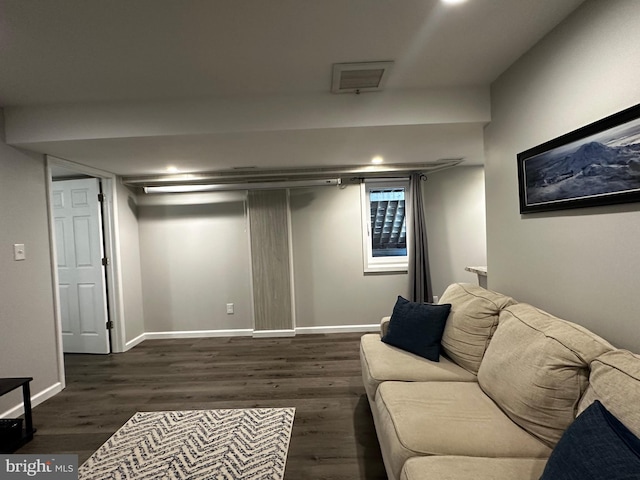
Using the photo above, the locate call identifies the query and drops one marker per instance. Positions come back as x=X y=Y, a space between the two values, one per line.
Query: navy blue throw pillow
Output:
x=417 y=327
x=596 y=446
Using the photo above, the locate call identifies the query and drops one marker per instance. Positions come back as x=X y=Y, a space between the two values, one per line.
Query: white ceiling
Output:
x=85 y=54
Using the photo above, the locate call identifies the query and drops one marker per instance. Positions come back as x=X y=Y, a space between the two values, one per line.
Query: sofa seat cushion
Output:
x=537 y=368
x=472 y=321
x=381 y=362
x=615 y=382
x=446 y=418
x=472 y=468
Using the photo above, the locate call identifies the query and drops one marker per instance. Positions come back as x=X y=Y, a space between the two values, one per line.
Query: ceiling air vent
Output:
x=359 y=77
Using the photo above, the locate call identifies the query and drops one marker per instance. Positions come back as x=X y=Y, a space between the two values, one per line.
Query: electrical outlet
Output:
x=229 y=308
x=19 y=252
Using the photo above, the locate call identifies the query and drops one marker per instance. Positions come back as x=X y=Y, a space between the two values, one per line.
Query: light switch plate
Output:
x=229 y=308
x=18 y=251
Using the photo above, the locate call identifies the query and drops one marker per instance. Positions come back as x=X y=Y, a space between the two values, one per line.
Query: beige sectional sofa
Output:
x=510 y=380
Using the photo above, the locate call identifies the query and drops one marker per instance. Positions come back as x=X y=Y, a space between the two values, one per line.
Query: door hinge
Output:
x=101 y=197
x=109 y=325
x=105 y=261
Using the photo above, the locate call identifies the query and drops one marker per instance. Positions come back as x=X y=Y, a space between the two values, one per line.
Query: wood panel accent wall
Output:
x=270 y=259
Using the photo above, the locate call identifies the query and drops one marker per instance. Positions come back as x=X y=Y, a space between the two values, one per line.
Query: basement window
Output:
x=384 y=230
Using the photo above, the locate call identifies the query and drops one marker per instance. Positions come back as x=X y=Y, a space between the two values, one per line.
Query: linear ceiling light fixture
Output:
x=221 y=187
x=283 y=178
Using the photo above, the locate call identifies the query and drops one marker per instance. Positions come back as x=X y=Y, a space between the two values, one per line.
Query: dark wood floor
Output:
x=333 y=435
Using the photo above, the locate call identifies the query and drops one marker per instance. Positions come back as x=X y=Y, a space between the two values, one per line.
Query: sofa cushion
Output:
x=472 y=322
x=381 y=362
x=536 y=369
x=446 y=418
x=472 y=468
x=417 y=327
x=615 y=381
x=596 y=445
x=384 y=325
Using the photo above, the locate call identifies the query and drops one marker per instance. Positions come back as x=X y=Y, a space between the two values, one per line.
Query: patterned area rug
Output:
x=197 y=444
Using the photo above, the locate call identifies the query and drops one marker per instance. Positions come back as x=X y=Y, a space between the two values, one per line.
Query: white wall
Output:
x=330 y=286
x=130 y=267
x=27 y=331
x=454 y=204
x=195 y=260
x=581 y=265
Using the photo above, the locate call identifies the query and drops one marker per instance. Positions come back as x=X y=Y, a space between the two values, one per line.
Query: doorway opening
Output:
x=82 y=230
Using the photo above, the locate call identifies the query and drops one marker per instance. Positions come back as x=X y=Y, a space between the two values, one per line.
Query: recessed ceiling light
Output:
x=453 y=2
x=377 y=160
x=172 y=169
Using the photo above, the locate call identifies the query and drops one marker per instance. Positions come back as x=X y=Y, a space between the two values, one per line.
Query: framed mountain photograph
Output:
x=598 y=164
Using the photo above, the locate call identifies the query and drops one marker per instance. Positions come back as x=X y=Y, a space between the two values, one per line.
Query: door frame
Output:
x=115 y=302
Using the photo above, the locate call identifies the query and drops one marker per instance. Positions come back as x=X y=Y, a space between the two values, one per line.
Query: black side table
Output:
x=7 y=385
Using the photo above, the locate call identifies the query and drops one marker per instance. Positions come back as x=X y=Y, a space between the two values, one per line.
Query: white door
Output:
x=81 y=278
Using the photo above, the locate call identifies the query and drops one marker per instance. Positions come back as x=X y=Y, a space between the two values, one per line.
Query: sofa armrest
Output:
x=384 y=326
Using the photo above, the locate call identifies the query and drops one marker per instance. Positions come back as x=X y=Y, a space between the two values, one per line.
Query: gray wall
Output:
x=130 y=268
x=27 y=338
x=581 y=265
x=330 y=286
x=195 y=255
x=454 y=204
x=327 y=247
x=195 y=260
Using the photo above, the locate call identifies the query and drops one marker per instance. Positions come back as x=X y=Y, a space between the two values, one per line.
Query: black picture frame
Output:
x=598 y=164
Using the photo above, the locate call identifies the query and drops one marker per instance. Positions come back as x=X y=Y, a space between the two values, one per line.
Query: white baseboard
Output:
x=244 y=332
x=36 y=399
x=136 y=341
x=273 y=333
x=374 y=327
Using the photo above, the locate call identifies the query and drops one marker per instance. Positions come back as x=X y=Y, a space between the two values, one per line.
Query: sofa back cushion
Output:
x=471 y=323
x=537 y=368
x=615 y=382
